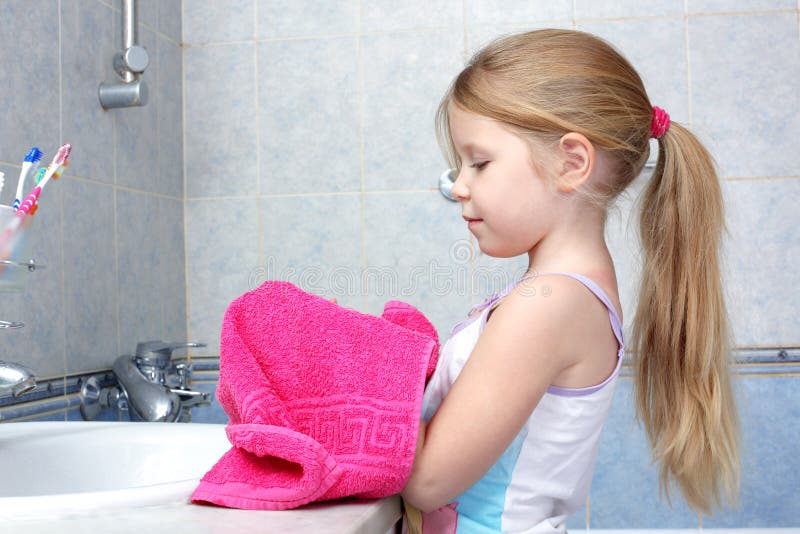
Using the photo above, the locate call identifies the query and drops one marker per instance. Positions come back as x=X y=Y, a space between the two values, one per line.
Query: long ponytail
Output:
x=680 y=332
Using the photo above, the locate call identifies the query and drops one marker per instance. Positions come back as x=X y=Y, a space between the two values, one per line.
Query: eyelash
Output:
x=479 y=166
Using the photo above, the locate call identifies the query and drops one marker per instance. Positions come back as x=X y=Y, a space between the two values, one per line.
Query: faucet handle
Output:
x=159 y=352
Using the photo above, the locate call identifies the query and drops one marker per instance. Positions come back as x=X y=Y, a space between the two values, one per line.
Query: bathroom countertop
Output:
x=336 y=517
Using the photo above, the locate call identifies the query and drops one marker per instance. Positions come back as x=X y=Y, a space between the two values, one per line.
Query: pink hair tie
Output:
x=660 y=123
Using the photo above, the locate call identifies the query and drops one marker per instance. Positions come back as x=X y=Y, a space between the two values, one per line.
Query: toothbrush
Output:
x=55 y=166
x=39 y=178
x=31 y=162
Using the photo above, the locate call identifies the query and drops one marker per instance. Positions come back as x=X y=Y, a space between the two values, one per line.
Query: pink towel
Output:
x=324 y=401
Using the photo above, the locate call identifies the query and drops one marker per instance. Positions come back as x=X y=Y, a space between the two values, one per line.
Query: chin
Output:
x=497 y=252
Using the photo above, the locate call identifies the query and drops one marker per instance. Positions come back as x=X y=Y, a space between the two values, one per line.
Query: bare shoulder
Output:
x=582 y=338
x=549 y=296
x=539 y=313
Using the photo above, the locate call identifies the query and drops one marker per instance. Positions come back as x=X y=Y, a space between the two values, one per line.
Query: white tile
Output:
x=388 y=15
x=732 y=6
x=206 y=21
x=222 y=248
x=594 y=9
x=308 y=116
x=220 y=132
x=502 y=12
x=315 y=243
x=296 y=18
x=405 y=77
x=744 y=72
x=759 y=254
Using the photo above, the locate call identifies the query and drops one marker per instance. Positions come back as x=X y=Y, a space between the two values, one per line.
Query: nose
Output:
x=460 y=191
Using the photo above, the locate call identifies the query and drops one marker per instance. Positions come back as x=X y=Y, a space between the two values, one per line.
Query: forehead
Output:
x=468 y=129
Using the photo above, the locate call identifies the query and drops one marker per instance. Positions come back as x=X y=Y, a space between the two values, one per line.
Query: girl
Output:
x=546 y=128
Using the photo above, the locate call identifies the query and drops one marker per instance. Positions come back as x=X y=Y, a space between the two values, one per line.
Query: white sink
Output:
x=75 y=468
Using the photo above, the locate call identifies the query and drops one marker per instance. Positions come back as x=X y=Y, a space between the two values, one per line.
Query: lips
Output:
x=470 y=219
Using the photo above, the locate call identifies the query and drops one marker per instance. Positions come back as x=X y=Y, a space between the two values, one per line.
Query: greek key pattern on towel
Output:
x=359 y=426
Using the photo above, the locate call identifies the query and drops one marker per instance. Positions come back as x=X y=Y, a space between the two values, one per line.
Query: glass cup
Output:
x=14 y=250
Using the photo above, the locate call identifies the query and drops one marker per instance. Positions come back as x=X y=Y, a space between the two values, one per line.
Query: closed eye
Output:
x=479 y=165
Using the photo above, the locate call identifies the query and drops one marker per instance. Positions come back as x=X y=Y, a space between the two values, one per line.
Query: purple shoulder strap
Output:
x=616 y=324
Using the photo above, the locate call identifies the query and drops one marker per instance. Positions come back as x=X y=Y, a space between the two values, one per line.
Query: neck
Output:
x=576 y=241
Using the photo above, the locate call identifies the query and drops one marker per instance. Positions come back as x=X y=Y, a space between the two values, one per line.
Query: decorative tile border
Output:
x=60 y=397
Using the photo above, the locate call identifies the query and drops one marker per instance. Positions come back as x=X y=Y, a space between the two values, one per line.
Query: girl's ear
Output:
x=577 y=161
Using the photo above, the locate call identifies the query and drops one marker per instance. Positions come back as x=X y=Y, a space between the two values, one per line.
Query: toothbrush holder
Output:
x=14 y=251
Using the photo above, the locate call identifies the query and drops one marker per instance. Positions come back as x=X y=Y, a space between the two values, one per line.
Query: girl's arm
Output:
x=516 y=358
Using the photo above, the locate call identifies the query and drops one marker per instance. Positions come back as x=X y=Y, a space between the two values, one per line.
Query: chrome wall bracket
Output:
x=129 y=64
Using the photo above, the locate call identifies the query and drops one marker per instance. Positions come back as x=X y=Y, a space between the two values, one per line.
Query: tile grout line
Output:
x=185 y=190
x=686 y=42
x=575 y=27
x=157 y=76
x=114 y=188
x=61 y=229
x=259 y=203
x=465 y=52
x=361 y=121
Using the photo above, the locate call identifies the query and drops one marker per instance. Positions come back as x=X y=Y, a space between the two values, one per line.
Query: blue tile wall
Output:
x=744 y=84
x=769 y=411
x=220 y=129
x=294 y=104
x=30 y=107
x=301 y=245
x=625 y=489
x=492 y=12
x=220 y=20
x=386 y=15
x=403 y=76
x=278 y=19
x=88 y=232
x=222 y=255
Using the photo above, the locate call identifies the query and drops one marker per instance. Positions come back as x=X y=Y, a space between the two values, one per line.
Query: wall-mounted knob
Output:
x=133 y=60
x=446 y=181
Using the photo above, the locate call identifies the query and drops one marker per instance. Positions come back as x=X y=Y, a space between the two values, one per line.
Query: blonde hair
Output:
x=544 y=84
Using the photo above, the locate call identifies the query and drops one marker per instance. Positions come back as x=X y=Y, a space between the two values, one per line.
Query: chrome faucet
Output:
x=151 y=386
x=15 y=379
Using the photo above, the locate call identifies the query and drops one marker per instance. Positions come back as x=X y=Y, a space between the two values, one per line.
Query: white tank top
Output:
x=545 y=474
